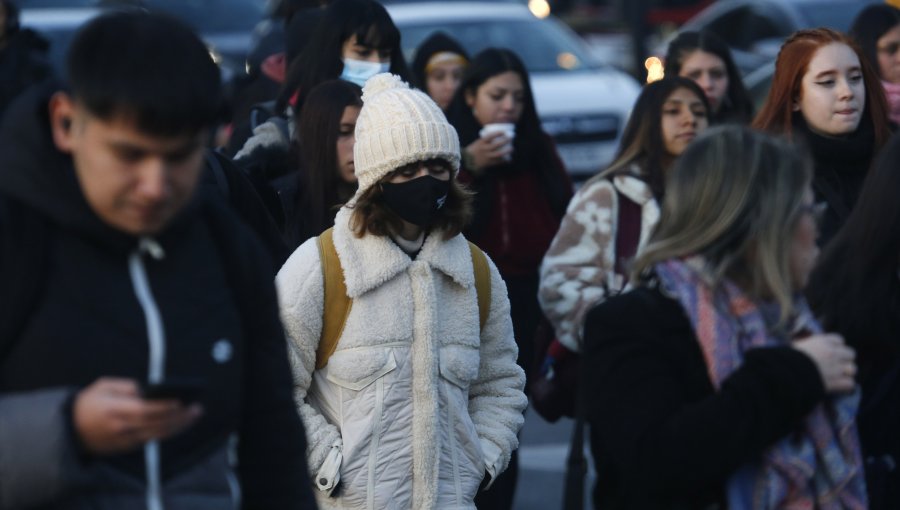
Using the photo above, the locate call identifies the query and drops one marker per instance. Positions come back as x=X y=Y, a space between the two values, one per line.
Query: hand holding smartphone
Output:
x=186 y=390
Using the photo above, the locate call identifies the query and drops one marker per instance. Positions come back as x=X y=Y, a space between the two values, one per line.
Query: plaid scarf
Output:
x=819 y=466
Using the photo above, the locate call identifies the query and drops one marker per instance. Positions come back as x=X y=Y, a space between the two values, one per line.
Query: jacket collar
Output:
x=634 y=188
x=371 y=260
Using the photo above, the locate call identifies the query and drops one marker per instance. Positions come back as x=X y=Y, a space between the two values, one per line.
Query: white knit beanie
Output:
x=397 y=126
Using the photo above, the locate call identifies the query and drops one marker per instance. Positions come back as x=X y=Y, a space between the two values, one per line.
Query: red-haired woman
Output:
x=826 y=93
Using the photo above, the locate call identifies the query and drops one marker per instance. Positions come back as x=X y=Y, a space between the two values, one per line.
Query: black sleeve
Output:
x=651 y=404
x=245 y=200
x=272 y=447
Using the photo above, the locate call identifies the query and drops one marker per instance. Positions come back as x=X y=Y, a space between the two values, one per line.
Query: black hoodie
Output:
x=205 y=282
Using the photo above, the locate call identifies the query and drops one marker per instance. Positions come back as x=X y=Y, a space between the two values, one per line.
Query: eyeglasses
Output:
x=890 y=49
x=816 y=210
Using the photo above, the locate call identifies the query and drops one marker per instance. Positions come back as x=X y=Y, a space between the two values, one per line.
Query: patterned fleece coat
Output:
x=579 y=270
x=415 y=405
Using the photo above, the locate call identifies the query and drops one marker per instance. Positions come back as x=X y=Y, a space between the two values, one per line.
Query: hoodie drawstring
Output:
x=157 y=340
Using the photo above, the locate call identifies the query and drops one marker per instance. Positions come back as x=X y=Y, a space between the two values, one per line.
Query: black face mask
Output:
x=417 y=201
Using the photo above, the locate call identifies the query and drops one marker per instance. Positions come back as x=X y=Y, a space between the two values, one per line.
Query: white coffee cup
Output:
x=507 y=128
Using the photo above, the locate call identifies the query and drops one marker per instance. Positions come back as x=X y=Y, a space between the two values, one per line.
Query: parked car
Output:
x=755 y=29
x=582 y=103
x=225 y=25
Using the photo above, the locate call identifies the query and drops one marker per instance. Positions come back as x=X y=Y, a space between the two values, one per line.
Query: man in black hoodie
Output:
x=142 y=362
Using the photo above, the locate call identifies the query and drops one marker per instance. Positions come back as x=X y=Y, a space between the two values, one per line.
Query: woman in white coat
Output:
x=419 y=404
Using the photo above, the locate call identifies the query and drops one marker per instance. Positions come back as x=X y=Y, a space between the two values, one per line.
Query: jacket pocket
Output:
x=363 y=376
x=355 y=369
x=459 y=365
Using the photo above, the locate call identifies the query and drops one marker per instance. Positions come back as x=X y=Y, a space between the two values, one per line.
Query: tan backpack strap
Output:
x=482 y=283
x=337 y=303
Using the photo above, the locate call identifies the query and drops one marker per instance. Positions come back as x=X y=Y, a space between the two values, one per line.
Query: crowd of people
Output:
x=323 y=285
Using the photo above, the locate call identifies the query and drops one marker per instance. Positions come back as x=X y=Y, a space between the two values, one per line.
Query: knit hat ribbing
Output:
x=397 y=126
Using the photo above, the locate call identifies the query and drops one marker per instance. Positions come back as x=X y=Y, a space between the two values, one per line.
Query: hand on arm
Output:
x=834 y=359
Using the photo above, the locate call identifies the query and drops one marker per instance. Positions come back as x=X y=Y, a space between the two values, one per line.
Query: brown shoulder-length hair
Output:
x=790 y=66
x=372 y=216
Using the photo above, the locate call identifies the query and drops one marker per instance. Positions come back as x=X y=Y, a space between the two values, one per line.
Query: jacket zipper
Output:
x=157 y=339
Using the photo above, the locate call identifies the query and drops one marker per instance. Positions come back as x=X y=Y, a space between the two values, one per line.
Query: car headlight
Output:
x=539 y=8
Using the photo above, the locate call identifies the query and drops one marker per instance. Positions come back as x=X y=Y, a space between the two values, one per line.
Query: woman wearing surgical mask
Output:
x=354 y=40
x=420 y=401
x=826 y=93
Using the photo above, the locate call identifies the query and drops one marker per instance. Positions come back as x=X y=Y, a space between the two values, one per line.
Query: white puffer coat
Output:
x=414 y=406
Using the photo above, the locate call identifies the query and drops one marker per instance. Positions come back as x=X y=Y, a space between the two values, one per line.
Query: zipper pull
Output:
x=149 y=246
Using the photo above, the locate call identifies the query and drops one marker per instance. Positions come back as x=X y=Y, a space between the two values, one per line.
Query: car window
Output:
x=766 y=22
x=547 y=48
x=837 y=15
x=56 y=4
x=729 y=26
x=204 y=16
x=207 y=16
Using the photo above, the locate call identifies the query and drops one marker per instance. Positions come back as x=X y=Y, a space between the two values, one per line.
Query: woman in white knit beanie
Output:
x=420 y=401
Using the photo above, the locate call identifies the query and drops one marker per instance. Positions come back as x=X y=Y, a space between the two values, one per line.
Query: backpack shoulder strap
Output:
x=482 y=283
x=336 y=302
x=628 y=233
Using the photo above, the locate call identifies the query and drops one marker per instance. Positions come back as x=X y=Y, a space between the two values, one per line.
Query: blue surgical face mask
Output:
x=358 y=71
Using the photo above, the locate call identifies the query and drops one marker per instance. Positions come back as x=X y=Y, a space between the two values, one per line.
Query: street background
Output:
x=543 y=451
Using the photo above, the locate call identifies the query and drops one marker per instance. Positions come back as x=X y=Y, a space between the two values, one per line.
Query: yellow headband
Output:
x=444 y=57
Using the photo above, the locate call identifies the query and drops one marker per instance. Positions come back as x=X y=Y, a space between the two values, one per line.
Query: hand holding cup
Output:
x=494 y=145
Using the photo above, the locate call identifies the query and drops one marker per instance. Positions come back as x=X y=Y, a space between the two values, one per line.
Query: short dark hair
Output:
x=736 y=106
x=371 y=216
x=148 y=67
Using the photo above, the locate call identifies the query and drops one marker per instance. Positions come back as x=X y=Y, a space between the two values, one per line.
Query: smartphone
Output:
x=185 y=389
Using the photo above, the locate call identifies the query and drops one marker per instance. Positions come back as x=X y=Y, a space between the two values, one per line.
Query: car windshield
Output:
x=837 y=15
x=204 y=16
x=548 y=47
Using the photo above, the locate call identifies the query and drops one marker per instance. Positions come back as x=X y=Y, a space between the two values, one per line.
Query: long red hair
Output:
x=790 y=66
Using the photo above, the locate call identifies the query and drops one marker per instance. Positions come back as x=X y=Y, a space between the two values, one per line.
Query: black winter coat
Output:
x=660 y=436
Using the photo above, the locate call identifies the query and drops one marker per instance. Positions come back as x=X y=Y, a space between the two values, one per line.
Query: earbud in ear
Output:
x=66 y=123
